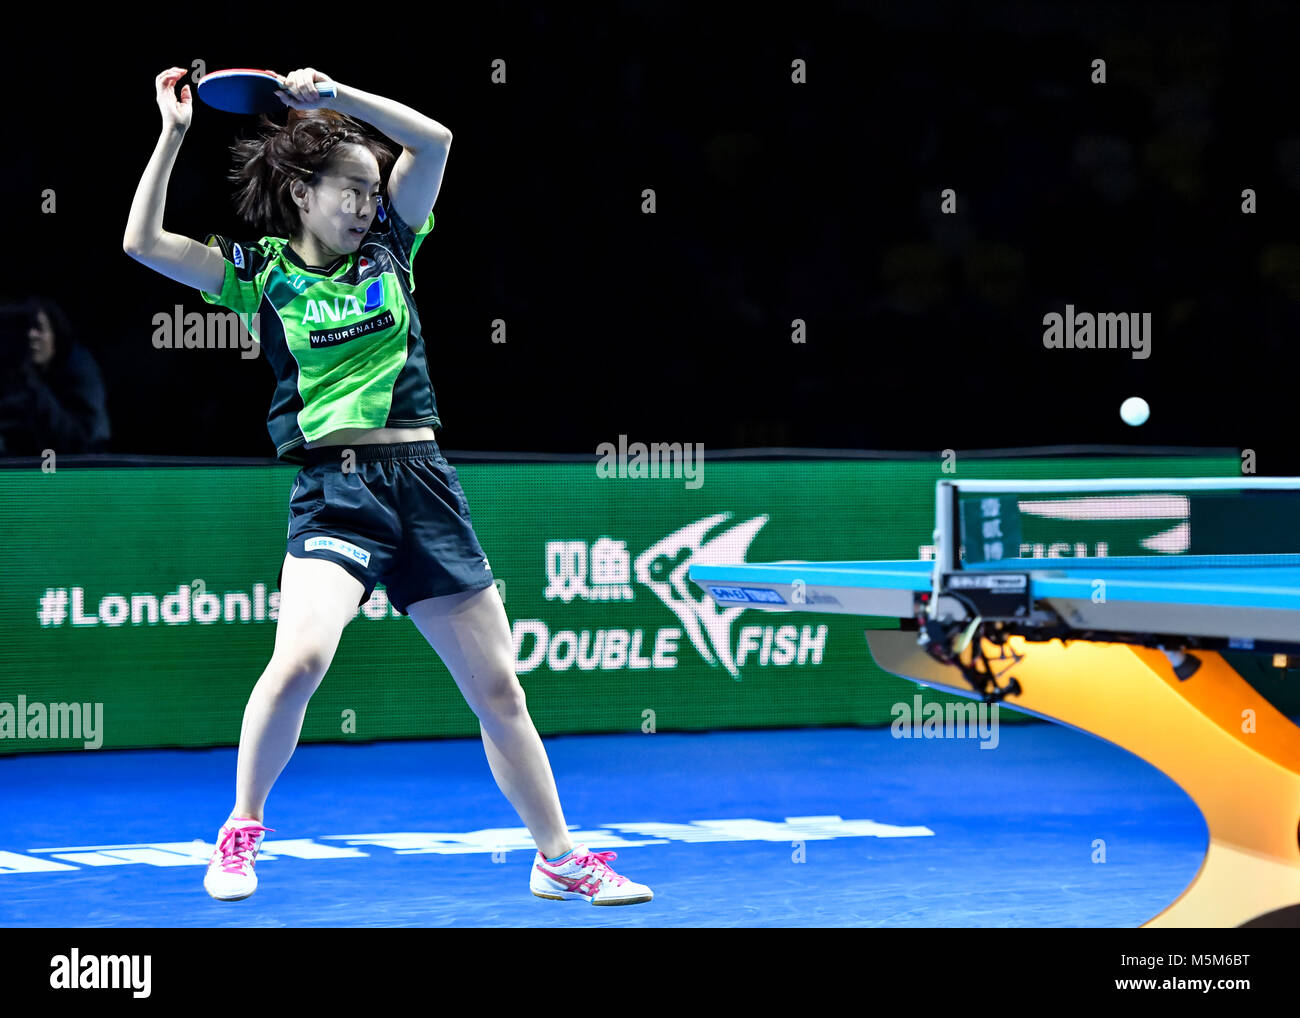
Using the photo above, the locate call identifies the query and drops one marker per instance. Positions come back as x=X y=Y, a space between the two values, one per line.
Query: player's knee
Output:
x=298 y=672
x=501 y=696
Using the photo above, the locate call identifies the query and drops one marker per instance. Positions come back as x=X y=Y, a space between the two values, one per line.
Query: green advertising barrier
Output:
x=149 y=592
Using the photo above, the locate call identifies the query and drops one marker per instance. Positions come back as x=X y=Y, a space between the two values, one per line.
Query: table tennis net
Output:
x=1246 y=523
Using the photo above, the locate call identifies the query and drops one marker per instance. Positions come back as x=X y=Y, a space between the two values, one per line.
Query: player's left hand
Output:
x=298 y=89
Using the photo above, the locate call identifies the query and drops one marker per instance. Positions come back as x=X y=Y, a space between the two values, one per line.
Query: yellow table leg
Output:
x=1214 y=735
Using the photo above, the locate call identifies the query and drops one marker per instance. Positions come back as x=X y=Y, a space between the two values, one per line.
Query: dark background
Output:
x=775 y=201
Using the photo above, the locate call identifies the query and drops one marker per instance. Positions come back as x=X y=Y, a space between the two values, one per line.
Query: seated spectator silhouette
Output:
x=51 y=392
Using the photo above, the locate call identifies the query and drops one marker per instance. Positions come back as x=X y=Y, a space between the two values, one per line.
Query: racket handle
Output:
x=325 y=91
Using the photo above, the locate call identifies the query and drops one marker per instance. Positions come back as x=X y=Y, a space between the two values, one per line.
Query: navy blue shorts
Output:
x=397 y=517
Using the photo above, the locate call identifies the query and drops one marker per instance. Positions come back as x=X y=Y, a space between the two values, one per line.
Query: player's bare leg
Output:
x=317 y=600
x=471 y=634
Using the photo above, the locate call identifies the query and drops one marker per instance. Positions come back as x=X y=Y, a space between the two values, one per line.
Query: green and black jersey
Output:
x=344 y=341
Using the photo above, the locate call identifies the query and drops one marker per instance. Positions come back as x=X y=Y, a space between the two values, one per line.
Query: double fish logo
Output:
x=664 y=567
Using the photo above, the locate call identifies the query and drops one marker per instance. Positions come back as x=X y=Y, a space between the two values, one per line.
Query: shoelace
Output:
x=235 y=845
x=599 y=861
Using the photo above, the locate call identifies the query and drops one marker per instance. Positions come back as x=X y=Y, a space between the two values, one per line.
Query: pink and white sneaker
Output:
x=230 y=869
x=587 y=875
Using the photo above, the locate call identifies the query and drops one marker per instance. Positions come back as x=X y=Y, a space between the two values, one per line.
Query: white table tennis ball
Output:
x=1134 y=411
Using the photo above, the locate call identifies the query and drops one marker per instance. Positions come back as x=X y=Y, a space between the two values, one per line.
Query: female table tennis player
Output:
x=375 y=501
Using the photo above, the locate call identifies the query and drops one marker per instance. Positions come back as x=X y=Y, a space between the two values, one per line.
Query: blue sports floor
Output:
x=916 y=832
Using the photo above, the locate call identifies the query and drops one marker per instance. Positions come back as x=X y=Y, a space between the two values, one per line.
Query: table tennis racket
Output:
x=245 y=90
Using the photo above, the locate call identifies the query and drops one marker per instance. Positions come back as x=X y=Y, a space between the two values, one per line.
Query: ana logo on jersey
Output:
x=239 y=257
x=340 y=309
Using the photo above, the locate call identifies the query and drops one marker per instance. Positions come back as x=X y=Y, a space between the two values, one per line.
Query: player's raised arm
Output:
x=416 y=178
x=180 y=258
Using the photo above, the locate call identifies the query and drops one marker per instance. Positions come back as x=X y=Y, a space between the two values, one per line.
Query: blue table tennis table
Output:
x=1243 y=605
x=1129 y=648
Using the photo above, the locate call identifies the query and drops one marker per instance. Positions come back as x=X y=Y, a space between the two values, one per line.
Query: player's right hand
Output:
x=176 y=113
